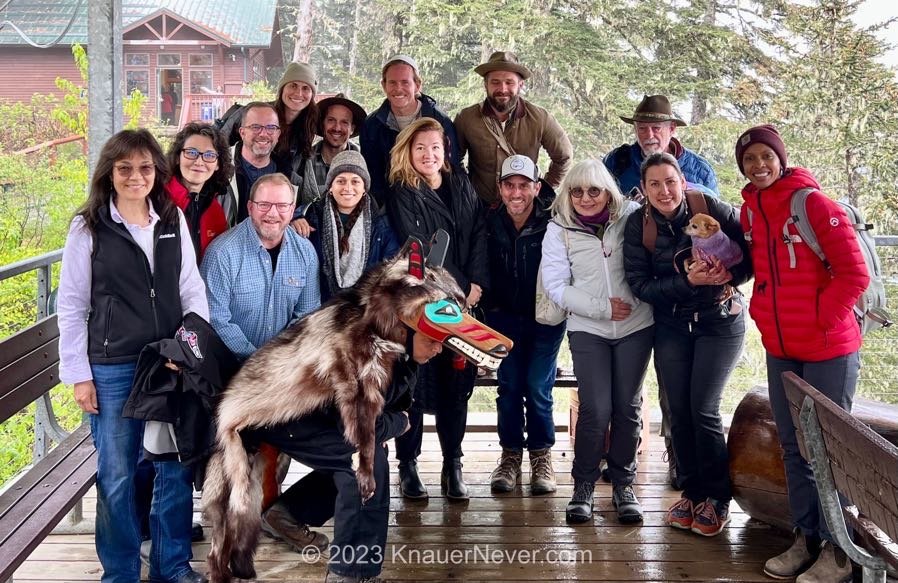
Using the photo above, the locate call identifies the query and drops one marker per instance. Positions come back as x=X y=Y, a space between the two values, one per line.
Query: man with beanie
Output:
x=526 y=378
x=349 y=233
x=655 y=125
x=505 y=124
x=404 y=103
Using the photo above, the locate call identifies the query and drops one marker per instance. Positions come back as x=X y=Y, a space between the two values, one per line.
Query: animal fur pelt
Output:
x=341 y=354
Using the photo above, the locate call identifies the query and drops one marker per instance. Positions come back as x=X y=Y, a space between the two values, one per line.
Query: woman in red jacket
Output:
x=805 y=314
x=199 y=161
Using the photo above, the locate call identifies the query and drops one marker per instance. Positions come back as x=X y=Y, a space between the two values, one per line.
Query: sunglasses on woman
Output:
x=592 y=191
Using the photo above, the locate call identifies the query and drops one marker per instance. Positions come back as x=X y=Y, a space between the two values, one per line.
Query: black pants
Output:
x=360 y=530
x=443 y=390
x=695 y=362
x=609 y=380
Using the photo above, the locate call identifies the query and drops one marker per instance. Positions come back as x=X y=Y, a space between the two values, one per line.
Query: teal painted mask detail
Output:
x=443 y=312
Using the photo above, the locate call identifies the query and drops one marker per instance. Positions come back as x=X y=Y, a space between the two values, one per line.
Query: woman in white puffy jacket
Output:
x=609 y=330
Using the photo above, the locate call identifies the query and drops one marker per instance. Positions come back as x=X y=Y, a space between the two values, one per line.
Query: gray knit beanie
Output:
x=348 y=161
x=297 y=71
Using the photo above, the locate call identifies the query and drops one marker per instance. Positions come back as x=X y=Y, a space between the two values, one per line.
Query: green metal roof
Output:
x=236 y=22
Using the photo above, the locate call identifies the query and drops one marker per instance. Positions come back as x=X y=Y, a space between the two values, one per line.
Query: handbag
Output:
x=547 y=311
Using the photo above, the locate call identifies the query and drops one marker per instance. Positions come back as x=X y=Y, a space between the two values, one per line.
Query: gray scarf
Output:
x=342 y=272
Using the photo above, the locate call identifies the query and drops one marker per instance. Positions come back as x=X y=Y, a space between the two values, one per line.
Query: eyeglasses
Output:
x=192 y=154
x=126 y=170
x=257 y=129
x=592 y=191
x=265 y=206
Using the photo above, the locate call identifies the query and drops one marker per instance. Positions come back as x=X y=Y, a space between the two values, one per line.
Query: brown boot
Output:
x=831 y=566
x=542 y=474
x=506 y=475
x=278 y=523
x=793 y=561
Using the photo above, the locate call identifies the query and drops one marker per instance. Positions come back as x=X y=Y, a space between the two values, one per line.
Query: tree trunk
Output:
x=302 y=50
x=700 y=99
x=354 y=43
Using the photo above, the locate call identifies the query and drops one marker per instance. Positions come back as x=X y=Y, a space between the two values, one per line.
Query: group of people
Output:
x=253 y=225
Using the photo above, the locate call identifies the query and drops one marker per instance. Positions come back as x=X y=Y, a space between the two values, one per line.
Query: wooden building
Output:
x=190 y=58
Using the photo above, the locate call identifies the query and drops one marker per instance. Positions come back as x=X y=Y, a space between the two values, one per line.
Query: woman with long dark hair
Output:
x=298 y=117
x=699 y=332
x=128 y=276
x=199 y=161
x=426 y=194
x=349 y=233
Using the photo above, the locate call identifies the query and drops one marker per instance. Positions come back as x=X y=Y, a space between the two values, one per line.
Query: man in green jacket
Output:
x=505 y=124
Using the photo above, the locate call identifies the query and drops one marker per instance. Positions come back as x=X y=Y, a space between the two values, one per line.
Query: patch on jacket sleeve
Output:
x=190 y=337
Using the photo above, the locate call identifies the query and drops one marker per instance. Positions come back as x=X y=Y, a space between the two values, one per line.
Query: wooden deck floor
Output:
x=514 y=537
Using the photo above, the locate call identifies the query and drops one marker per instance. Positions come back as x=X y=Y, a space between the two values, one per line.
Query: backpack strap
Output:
x=748 y=215
x=798 y=209
x=649 y=228
x=695 y=203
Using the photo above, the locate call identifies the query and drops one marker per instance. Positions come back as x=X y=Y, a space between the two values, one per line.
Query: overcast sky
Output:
x=873 y=11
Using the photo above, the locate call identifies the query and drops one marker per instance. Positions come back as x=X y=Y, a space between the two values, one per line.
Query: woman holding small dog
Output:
x=805 y=314
x=427 y=194
x=699 y=330
x=609 y=329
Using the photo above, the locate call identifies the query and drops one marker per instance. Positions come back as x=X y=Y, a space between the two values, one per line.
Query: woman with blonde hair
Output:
x=426 y=194
x=610 y=332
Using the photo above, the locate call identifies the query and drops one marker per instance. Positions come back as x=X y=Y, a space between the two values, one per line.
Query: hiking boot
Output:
x=278 y=523
x=452 y=484
x=332 y=577
x=831 y=566
x=409 y=483
x=710 y=517
x=792 y=562
x=579 y=509
x=627 y=505
x=506 y=475
x=681 y=514
x=542 y=475
x=668 y=456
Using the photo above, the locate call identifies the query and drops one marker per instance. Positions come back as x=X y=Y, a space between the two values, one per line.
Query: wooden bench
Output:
x=39 y=499
x=849 y=458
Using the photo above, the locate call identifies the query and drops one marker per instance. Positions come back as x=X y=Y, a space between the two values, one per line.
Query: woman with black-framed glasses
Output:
x=199 y=162
x=609 y=330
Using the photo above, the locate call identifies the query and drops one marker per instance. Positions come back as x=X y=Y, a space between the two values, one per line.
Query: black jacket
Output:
x=186 y=399
x=376 y=139
x=420 y=212
x=514 y=259
x=660 y=279
x=132 y=305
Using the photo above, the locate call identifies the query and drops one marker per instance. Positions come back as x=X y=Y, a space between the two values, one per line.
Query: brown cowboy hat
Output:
x=654 y=108
x=358 y=113
x=503 y=61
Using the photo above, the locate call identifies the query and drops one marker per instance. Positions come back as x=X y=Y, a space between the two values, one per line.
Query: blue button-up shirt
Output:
x=249 y=304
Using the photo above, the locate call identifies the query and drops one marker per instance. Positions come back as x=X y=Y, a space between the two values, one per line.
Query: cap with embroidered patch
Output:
x=519 y=165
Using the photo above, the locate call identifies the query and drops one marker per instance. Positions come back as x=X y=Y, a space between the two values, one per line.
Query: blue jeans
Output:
x=836 y=378
x=526 y=378
x=694 y=363
x=119 y=444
